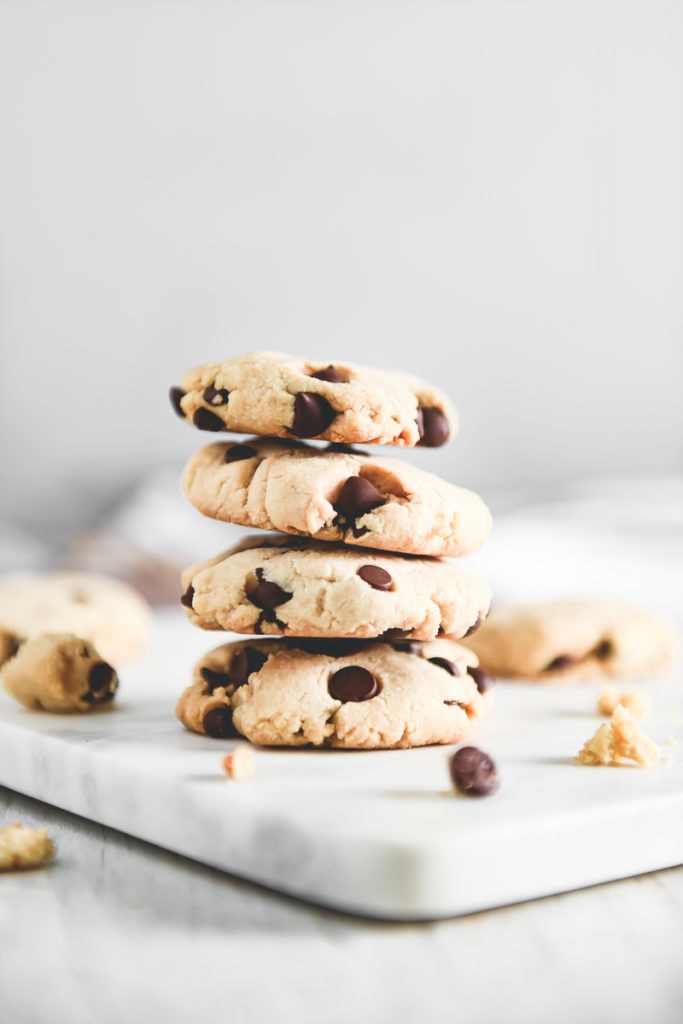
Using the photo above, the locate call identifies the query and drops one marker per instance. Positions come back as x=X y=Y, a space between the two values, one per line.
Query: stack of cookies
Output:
x=350 y=595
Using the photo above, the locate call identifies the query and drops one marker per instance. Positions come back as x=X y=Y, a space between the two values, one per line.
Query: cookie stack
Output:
x=351 y=594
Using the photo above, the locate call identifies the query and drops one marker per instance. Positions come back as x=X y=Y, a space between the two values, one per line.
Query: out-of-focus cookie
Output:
x=105 y=611
x=288 y=587
x=337 y=693
x=22 y=848
x=59 y=672
x=278 y=395
x=9 y=645
x=579 y=639
x=336 y=495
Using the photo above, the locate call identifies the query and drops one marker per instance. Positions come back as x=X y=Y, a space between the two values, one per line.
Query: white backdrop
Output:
x=487 y=194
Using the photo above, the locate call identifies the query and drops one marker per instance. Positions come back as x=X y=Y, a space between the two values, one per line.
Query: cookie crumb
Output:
x=473 y=772
x=636 y=701
x=22 y=848
x=619 y=742
x=239 y=763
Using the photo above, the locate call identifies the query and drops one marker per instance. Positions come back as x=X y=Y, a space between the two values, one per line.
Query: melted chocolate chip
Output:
x=484 y=680
x=175 y=394
x=605 y=649
x=562 y=661
x=238 y=452
x=432 y=426
x=102 y=682
x=411 y=647
x=207 y=420
x=244 y=662
x=218 y=722
x=449 y=666
x=312 y=414
x=216 y=396
x=214 y=680
x=376 y=577
x=330 y=374
x=188 y=597
x=475 y=625
x=352 y=684
x=357 y=496
x=473 y=772
x=266 y=594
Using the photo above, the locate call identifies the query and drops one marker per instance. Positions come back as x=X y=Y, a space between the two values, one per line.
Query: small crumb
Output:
x=22 y=848
x=239 y=763
x=671 y=741
x=636 y=701
x=619 y=742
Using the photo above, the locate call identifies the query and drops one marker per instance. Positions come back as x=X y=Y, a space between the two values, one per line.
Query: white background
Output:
x=486 y=194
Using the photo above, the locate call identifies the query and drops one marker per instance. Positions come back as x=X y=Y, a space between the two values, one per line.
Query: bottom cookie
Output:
x=370 y=695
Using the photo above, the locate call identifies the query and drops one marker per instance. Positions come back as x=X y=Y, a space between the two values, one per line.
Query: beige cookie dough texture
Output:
x=293 y=489
x=59 y=672
x=22 y=848
x=373 y=406
x=428 y=597
x=107 y=612
x=618 y=742
x=594 y=639
x=286 y=702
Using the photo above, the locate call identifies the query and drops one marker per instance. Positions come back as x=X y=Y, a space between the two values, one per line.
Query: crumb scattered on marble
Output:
x=619 y=741
x=239 y=763
x=636 y=701
x=22 y=848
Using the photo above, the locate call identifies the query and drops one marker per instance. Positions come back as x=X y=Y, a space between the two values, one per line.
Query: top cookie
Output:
x=277 y=395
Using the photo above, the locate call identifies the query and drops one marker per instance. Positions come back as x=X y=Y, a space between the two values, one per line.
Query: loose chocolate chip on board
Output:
x=218 y=723
x=207 y=420
x=432 y=426
x=188 y=597
x=267 y=594
x=216 y=396
x=376 y=577
x=238 y=452
x=352 y=683
x=473 y=772
x=312 y=414
x=358 y=496
x=449 y=666
x=330 y=374
x=484 y=680
x=175 y=394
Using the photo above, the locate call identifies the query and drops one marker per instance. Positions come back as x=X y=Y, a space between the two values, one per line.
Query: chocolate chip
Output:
x=244 y=662
x=562 y=661
x=449 y=666
x=432 y=426
x=484 y=680
x=376 y=577
x=216 y=396
x=188 y=597
x=394 y=633
x=266 y=594
x=329 y=373
x=238 y=452
x=411 y=647
x=102 y=682
x=357 y=496
x=605 y=649
x=312 y=414
x=207 y=420
x=475 y=625
x=473 y=772
x=218 y=722
x=175 y=394
x=352 y=684
x=214 y=680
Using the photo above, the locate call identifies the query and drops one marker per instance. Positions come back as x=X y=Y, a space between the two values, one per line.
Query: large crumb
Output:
x=636 y=701
x=619 y=741
x=24 y=847
x=239 y=763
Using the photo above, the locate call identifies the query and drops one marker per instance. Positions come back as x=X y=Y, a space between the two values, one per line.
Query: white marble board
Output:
x=378 y=834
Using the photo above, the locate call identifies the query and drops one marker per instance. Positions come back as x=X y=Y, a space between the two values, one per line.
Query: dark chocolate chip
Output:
x=330 y=374
x=214 y=680
x=353 y=684
x=449 y=666
x=357 y=496
x=376 y=577
x=207 y=420
x=455 y=704
x=433 y=427
x=411 y=647
x=475 y=625
x=266 y=594
x=562 y=661
x=244 y=662
x=238 y=452
x=484 y=680
x=102 y=682
x=188 y=597
x=218 y=722
x=473 y=772
x=312 y=414
x=603 y=650
x=216 y=396
x=175 y=394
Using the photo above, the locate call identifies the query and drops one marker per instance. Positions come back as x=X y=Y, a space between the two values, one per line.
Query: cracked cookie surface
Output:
x=336 y=693
x=292 y=587
x=277 y=395
x=362 y=500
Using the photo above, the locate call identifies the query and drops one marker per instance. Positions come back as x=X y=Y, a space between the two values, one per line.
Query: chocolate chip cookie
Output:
x=579 y=639
x=278 y=395
x=335 y=495
x=59 y=672
x=337 y=693
x=292 y=587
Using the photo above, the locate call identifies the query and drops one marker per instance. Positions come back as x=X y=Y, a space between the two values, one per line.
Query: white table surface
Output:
x=117 y=930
